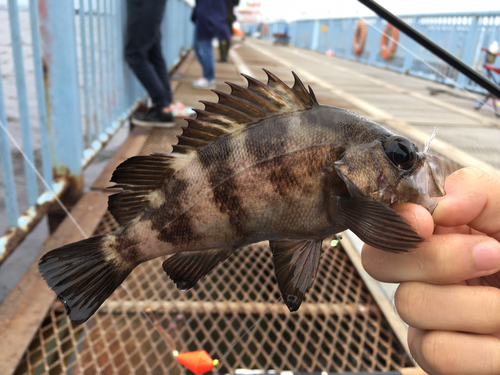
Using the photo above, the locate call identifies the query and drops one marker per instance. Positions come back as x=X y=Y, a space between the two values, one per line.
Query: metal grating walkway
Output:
x=232 y=315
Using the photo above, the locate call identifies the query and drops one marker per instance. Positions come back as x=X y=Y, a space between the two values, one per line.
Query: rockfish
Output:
x=266 y=162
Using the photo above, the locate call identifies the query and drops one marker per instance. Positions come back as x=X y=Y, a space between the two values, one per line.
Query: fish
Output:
x=265 y=162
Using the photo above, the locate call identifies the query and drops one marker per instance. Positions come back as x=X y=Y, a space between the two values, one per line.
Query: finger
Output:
x=444 y=259
x=455 y=353
x=463 y=229
x=472 y=198
x=417 y=216
x=464 y=308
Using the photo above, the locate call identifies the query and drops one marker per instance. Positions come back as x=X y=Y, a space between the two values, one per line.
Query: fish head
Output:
x=391 y=170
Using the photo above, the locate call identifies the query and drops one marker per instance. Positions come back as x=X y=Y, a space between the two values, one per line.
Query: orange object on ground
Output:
x=359 y=38
x=199 y=362
x=388 y=50
x=237 y=32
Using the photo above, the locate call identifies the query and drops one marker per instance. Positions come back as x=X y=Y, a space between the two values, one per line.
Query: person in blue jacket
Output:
x=210 y=18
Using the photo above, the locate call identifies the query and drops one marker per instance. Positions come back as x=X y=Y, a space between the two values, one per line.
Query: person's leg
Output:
x=206 y=58
x=143 y=26
x=223 y=50
x=155 y=57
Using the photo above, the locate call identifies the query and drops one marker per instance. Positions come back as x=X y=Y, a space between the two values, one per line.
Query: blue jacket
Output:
x=210 y=18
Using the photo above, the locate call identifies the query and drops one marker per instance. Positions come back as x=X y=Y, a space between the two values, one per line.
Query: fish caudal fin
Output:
x=83 y=274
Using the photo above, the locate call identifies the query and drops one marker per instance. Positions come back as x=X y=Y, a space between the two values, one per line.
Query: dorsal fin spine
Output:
x=243 y=107
x=240 y=92
x=241 y=104
x=272 y=79
x=227 y=111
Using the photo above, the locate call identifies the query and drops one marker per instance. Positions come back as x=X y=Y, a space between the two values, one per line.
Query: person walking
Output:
x=144 y=56
x=210 y=19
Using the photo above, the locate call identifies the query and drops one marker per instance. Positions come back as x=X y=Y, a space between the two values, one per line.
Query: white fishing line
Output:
x=428 y=144
x=49 y=189
x=45 y=183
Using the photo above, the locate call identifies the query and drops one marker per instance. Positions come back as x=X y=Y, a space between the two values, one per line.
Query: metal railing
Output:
x=65 y=90
x=461 y=34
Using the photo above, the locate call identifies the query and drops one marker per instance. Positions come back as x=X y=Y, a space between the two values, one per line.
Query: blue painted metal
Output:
x=6 y=165
x=94 y=100
x=60 y=55
x=40 y=94
x=15 y=31
x=460 y=33
x=89 y=131
x=84 y=92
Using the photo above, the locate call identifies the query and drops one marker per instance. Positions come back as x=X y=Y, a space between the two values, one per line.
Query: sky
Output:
x=275 y=9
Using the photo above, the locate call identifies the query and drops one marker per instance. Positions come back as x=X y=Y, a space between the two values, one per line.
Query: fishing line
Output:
x=447 y=79
x=249 y=329
x=333 y=244
x=168 y=340
x=47 y=186
x=49 y=189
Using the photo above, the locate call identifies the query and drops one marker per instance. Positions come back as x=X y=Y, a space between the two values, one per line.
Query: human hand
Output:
x=450 y=286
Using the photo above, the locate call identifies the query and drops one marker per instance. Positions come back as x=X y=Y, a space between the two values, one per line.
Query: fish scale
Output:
x=266 y=162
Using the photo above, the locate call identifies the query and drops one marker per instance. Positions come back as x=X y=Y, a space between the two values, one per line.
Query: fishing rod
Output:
x=432 y=47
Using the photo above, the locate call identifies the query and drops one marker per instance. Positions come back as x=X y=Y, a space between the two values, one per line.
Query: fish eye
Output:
x=400 y=152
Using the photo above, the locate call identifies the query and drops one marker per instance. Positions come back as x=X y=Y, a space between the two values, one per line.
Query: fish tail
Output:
x=83 y=274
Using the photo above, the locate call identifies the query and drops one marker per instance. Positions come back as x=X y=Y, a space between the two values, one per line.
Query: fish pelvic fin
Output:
x=139 y=177
x=296 y=264
x=186 y=269
x=244 y=106
x=84 y=274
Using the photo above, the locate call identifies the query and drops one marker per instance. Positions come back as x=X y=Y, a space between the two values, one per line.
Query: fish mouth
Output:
x=429 y=182
x=426 y=184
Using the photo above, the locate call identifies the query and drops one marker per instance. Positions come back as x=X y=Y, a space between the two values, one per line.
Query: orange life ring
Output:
x=359 y=40
x=388 y=50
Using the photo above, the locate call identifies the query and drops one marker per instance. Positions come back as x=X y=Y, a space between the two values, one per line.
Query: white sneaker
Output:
x=203 y=83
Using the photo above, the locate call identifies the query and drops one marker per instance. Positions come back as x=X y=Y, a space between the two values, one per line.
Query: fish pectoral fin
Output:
x=186 y=269
x=377 y=224
x=296 y=265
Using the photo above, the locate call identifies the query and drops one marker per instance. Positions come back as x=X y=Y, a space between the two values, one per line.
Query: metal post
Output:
x=83 y=37
x=22 y=96
x=57 y=19
x=96 y=114
x=6 y=166
x=40 y=94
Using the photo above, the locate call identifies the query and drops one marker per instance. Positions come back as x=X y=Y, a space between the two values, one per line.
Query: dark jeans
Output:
x=143 y=48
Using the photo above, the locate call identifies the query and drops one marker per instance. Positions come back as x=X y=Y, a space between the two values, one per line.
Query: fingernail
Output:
x=487 y=256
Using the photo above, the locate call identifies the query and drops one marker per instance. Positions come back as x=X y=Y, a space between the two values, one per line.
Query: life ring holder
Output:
x=359 y=40
x=388 y=48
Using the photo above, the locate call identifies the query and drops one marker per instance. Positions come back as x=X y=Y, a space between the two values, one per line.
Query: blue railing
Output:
x=64 y=96
x=461 y=34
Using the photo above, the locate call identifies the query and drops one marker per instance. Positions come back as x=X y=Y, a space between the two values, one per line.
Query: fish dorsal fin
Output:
x=139 y=176
x=242 y=107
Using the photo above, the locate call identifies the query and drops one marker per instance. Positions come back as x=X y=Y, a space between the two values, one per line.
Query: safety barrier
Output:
x=461 y=34
x=71 y=92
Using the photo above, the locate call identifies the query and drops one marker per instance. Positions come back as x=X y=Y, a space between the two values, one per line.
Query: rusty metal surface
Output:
x=13 y=236
x=233 y=314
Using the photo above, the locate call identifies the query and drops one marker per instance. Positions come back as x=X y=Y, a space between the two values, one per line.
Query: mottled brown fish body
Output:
x=266 y=162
